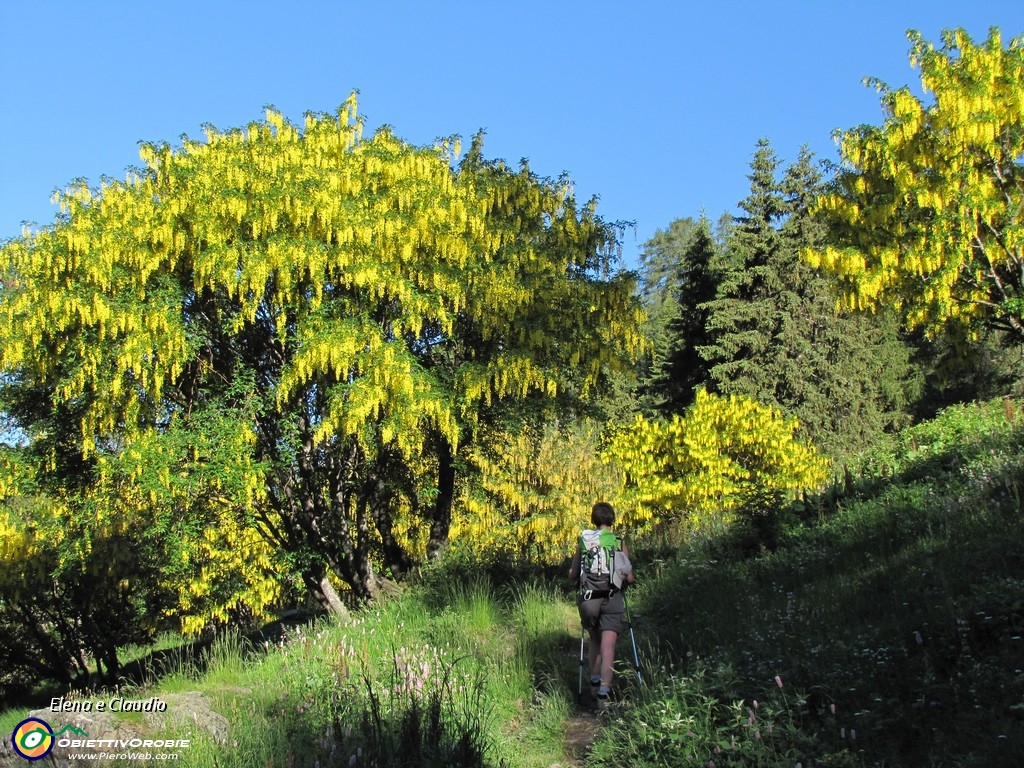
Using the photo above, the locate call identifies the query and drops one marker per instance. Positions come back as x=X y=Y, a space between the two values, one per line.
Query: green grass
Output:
x=401 y=684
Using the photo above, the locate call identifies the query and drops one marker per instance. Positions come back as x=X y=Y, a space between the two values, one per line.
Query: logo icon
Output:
x=32 y=738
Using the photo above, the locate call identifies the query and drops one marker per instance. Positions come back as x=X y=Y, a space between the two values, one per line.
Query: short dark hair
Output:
x=602 y=514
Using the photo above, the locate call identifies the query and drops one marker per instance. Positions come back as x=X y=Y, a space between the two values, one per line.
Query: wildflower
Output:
x=756 y=705
x=778 y=681
x=832 y=708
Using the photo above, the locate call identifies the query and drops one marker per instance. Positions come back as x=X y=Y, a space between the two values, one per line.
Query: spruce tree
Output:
x=741 y=320
x=775 y=335
x=659 y=267
x=847 y=377
x=680 y=369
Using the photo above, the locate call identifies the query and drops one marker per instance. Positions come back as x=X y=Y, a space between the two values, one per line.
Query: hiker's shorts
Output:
x=602 y=613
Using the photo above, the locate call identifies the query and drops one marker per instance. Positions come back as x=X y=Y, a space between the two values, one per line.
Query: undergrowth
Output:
x=878 y=624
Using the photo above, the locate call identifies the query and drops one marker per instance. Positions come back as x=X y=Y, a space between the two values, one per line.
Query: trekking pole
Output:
x=632 y=637
x=579 y=691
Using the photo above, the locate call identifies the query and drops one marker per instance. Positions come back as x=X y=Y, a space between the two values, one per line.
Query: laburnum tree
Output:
x=157 y=536
x=533 y=491
x=726 y=458
x=926 y=212
x=343 y=315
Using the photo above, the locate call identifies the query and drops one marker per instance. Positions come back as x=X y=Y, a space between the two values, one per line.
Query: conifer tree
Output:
x=743 y=317
x=847 y=377
x=776 y=335
x=679 y=368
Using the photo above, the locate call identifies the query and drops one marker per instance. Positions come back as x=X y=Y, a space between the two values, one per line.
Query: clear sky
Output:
x=655 y=107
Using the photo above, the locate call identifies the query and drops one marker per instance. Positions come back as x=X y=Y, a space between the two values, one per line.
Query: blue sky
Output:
x=653 y=106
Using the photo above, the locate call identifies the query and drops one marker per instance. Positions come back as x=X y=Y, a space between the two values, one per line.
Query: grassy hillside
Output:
x=883 y=627
x=878 y=625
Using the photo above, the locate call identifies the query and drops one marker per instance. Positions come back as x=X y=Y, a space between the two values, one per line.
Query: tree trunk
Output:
x=380 y=493
x=321 y=588
x=332 y=599
x=442 y=513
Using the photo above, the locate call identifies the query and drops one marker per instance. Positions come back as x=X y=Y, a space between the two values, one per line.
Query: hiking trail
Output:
x=580 y=731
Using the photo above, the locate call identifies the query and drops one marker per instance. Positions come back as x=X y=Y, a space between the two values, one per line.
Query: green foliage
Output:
x=962 y=433
x=678 y=368
x=701 y=718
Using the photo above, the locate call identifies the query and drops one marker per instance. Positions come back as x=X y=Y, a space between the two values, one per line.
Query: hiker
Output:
x=601 y=566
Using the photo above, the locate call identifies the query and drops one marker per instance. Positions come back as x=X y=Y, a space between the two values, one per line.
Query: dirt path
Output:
x=580 y=732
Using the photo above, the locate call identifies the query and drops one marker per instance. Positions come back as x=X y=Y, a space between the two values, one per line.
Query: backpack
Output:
x=603 y=564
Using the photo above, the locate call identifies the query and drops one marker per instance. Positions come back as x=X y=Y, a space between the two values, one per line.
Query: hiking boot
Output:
x=602 y=702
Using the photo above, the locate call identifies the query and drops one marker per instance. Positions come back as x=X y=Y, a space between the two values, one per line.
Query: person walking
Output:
x=601 y=566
